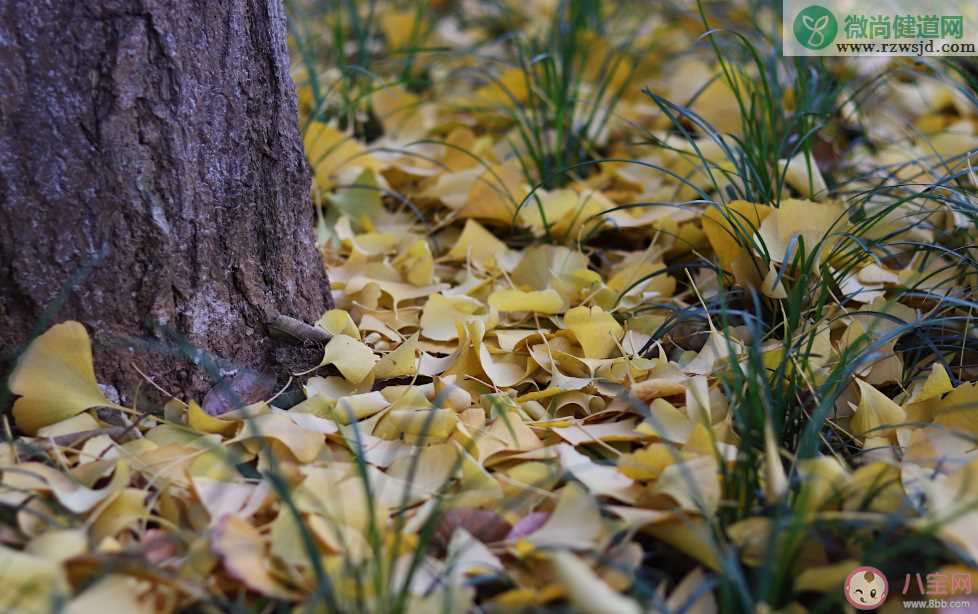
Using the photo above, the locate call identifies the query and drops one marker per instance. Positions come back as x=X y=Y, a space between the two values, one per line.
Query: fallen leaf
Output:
x=55 y=378
x=586 y=590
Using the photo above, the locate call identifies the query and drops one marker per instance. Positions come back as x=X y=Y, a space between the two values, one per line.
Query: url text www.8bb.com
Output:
x=938 y=604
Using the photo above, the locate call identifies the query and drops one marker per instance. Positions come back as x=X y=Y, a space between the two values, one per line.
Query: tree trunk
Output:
x=153 y=184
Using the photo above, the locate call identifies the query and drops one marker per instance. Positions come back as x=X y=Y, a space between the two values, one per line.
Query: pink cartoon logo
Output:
x=866 y=588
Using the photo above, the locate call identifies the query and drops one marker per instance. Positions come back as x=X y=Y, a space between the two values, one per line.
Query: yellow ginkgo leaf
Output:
x=443 y=315
x=202 y=422
x=937 y=383
x=694 y=484
x=595 y=330
x=772 y=286
x=925 y=397
x=354 y=359
x=329 y=150
x=55 y=378
x=642 y=277
x=415 y=263
x=476 y=244
x=586 y=590
x=575 y=522
x=823 y=479
x=401 y=27
x=601 y=480
x=875 y=410
x=402 y=362
x=304 y=444
x=460 y=151
x=503 y=371
x=690 y=597
x=75 y=424
x=544 y=209
x=666 y=422
x=649 y=462
x=354 y=407
x=798 y=223
x=578 y=433
x=731 y=227
x=540 y=264
x=802 y=174
x=537 y=301
x=339 y=322
x=340 y=496
x=58 y=544
x=507 y=89
x=663 y=380
x=30 y=583
x=775 y=480
x=508 y=433
x=417 y=425
x=125 y=593
x=876 y=487
x=360 y=201
x=752 y=538
x=959 y=409
x=709 y=94
x=221 y=498
x=691 y=535
x=122 y=512
x=495 y=194
x=824 y=578
x=242 y=549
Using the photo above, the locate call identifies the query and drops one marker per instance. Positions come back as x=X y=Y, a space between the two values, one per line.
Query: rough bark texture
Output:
x=152 y=183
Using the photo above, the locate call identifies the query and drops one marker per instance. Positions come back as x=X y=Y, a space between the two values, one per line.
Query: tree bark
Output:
x=153 y=184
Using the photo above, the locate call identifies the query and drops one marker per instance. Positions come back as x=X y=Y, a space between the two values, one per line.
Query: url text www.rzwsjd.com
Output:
x=919 y=48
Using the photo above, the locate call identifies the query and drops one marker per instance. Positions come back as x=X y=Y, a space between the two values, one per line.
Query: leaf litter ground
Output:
x=678 y=369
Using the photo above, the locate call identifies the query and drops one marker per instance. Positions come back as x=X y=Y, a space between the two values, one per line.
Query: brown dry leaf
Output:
x=484 y=525
x=245 y=387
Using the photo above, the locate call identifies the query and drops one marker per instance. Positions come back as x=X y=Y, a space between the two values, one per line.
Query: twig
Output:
x=284 y=327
